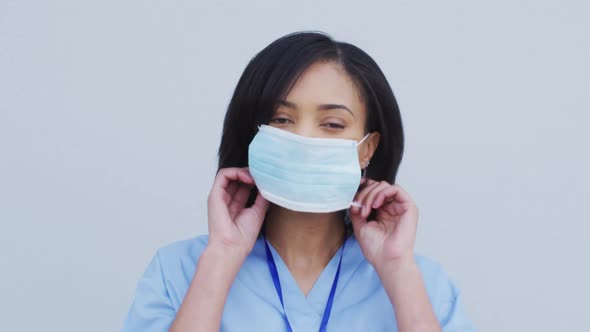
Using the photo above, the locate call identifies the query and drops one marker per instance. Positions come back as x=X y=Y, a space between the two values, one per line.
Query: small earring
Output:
x=365 y=165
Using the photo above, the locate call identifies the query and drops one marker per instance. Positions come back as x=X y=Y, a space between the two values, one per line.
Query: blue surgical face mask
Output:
x=301 y=173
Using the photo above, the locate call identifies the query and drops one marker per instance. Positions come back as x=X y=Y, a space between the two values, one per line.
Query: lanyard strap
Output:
x=275 y=278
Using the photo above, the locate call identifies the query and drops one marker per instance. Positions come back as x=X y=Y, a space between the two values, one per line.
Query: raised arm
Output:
x=388 y=244
x=233 y=230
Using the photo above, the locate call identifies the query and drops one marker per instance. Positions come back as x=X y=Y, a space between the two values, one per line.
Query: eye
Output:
x=280 y=120
x=333 y=125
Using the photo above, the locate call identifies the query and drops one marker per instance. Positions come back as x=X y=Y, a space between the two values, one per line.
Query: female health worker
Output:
x=308 y=230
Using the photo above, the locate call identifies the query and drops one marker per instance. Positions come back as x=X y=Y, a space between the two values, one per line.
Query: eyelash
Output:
x=330 y=125
x=334 y=125
x=275 y=120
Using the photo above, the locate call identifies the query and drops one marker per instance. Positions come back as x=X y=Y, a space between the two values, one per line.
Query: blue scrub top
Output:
x=360 y=302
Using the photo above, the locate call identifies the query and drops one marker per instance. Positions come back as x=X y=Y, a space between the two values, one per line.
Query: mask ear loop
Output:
x=367 y=135
x=347 y=219
x=364 y=171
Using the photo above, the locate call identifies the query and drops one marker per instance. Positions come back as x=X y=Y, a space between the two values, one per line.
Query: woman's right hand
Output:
x=233 y=230
x=232 y=226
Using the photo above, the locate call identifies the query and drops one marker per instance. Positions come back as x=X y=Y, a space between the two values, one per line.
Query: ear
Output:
x=368 y=147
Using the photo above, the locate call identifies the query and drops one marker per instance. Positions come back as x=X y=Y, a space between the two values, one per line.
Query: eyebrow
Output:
x=322 y=107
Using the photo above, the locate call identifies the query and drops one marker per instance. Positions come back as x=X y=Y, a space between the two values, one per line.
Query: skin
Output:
x=306 y=241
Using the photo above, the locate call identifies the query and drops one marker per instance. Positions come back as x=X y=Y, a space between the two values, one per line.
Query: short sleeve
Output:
x=152 y=309
x=452 y=314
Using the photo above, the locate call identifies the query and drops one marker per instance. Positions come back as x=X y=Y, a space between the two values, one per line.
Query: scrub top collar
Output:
x=294 y=299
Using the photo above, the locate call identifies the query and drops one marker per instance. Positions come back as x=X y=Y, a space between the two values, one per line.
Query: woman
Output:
x=298 y=239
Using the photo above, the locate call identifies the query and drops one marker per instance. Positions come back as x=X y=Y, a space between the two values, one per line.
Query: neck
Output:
x=305 y=240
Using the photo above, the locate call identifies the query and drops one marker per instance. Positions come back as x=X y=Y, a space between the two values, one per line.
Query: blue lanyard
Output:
x=275 y=278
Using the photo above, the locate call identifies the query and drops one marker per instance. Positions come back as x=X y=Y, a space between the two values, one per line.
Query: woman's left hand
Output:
x=390 y=238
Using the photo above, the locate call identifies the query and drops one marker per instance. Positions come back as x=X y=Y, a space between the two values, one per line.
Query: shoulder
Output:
x=171 y=270
x=186 y=250
x=198 y=242
x=445 y=295
x=428 y=266
x=161 y=288
x=441 y=287
x=178 y=260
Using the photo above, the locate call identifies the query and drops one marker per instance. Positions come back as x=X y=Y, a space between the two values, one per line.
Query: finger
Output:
x=386 y=201
x=365 y=181
x=383 y=196
x=232 y=187
x=239 y=199
x=358 y=221
x=358 y=207
x=402 y=196
x=368 y=199
x=363 y=190
x=238 y=174
x=402 y=202
x=260 y=206
x=221 y=190
x=227 y=175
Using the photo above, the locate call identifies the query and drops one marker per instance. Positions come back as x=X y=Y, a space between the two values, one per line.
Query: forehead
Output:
x=326 y=83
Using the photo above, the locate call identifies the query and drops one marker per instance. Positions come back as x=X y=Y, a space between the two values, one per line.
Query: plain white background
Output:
x=111 y=114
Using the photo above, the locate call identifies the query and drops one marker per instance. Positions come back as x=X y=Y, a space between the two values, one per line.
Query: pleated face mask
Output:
x=306 y=174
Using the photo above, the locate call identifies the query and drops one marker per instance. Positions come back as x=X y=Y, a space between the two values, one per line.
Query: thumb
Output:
x=260 y=206
x=357 y=219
